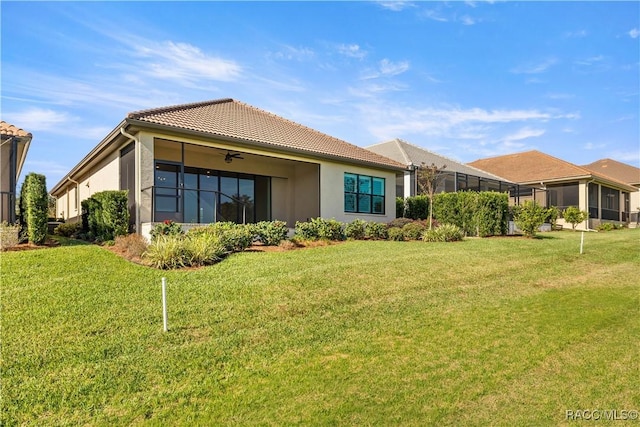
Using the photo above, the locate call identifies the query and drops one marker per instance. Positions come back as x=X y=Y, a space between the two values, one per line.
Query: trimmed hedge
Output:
x=481 y=214
x=105 y=215
x=34 y=205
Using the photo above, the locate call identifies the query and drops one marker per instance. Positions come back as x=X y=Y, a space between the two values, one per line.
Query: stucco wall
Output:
x=332 y=197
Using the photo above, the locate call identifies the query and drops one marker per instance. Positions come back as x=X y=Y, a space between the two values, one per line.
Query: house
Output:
x=14 y=144
x=454 y=177
x=623 y=173
x=224 y=160
x=562 y=184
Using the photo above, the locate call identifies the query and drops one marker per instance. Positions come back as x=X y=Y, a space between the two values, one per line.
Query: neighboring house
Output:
x=224 y=160
x=559 y=183
x=14 y=145
x=456 y=176
x=623 y=173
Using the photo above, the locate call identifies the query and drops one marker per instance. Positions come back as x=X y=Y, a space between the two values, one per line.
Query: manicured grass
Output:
x=499 y=331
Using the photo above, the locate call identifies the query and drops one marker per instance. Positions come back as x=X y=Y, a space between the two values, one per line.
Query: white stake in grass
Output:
x=581 y=242
x=164 y=304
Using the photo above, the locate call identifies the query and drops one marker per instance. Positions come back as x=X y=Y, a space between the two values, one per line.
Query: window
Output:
x=610 y=199
x=563 y=196
x=363 y=194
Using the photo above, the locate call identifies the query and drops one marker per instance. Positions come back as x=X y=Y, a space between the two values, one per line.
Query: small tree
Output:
x=428 y=179
x=574 y=216
x=530 y=217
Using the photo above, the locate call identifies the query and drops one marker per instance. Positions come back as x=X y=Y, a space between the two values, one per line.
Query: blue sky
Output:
x=467 y=80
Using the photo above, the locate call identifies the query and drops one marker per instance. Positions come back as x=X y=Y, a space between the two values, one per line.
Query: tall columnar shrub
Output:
x=399 y=207
x=491 y=214
x=105 y=215
x=35 y=207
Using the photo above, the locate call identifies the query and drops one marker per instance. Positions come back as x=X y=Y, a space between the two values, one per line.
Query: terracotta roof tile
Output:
x=11 y=130
x=234 y=119
x=617 y=170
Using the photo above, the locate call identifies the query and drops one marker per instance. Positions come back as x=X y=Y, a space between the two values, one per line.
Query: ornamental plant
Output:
x=166 y=228
x=574 y=216
x=529 y=217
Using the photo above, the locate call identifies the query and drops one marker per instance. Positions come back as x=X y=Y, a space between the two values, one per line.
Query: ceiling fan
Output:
x=229 y=157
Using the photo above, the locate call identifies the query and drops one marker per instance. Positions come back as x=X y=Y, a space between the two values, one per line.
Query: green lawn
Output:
x=498 y=331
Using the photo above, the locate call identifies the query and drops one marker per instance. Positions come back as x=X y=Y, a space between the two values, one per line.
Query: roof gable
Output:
x=617 y=170
x=409 y=154
x=233 y=119
x=530 y=166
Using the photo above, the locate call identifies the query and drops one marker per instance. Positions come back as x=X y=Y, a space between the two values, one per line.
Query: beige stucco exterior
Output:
x=302 y=186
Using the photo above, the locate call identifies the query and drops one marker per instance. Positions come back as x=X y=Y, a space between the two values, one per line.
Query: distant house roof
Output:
x=7 y=129
x=409 y=154
x=534 y=167
x=233 y=119
x=618 y=170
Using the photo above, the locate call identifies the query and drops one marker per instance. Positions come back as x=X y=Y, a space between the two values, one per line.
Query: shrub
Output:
x=319 y=228
x=414 y=230
x=203 y=249
x=375 y=231
x=399 y=222
x=166 y=252
x=605 y=226
x=444 y=233
x=491 y=213
x=106 y=215
x=68 y=229
x=529 y=217
x=396 y=234
x=416 y=207
x=399 y=207
x=355 y=229
x=9 y=235
x=233 y=237
x=132 y=245
x=574 y=216
x=166 y=228
x=36 y=204
x=552 y=215
x=271 y=233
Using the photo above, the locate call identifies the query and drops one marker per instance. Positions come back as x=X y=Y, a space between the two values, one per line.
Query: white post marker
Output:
x=164 y=304
x=581 y=242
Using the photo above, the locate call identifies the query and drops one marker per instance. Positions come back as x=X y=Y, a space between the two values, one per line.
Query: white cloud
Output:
x=576 y=34
x=593 y=60
x=559 y=96
x=634 y=33
x=524 y=133
x=352 y=51
x=388 y=68
x=434 y=15
x=535 y=68
x=592 y=146
x=396 y=5
x=185 y=62
x=467 y=20
x=293 y=53
x=39 y=119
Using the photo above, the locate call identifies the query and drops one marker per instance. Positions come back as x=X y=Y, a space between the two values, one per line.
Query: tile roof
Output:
x=11 y=130
x=617 y=170
x=534 y=167
x=233 y=119
x=409 y=154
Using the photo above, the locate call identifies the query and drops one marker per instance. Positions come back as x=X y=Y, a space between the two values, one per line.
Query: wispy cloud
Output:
x=535 y=68
x=185 y=62
x=39 y=119
x=590 y=61
x=387 y=68
x=434 y=15
x=351 y=51
x=294 y=53
x=578 y=34
x=397 y=5
x=524 y=133
x=634 y=33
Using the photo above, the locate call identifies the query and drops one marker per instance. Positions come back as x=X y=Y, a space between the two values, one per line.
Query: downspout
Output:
x=77 y=196
x=138 y=175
